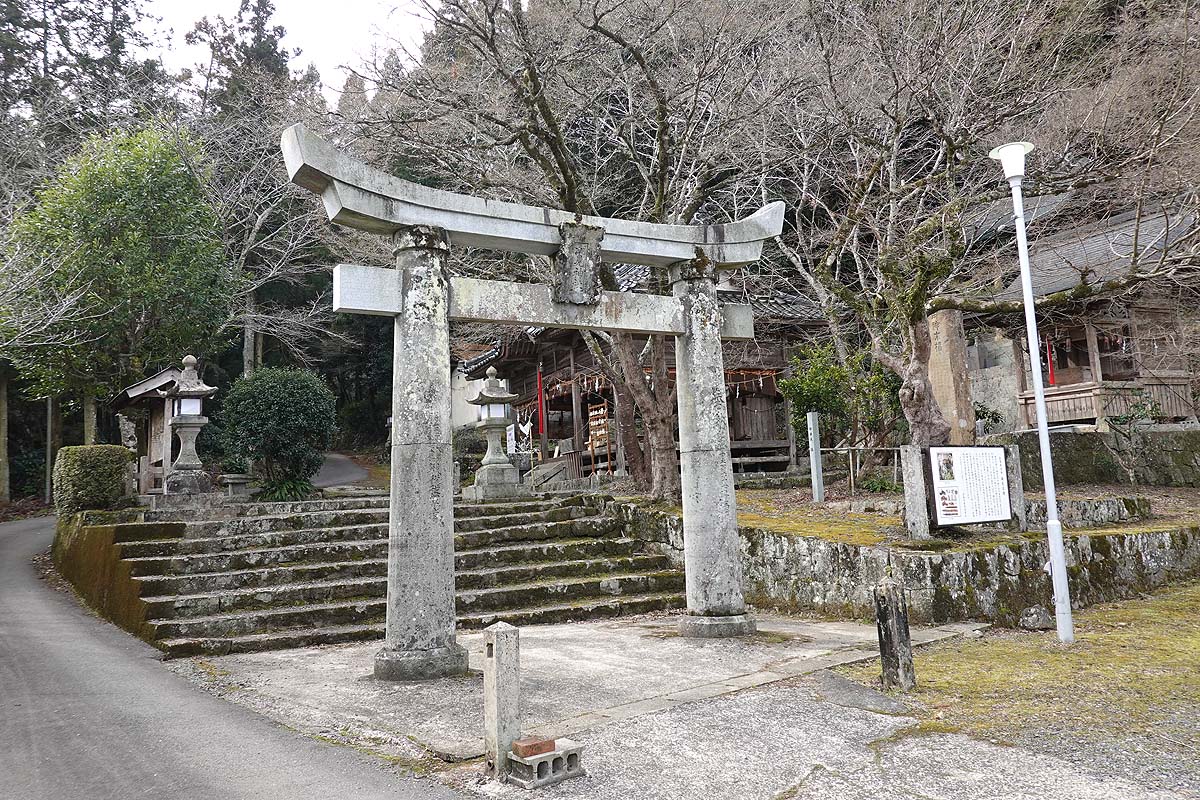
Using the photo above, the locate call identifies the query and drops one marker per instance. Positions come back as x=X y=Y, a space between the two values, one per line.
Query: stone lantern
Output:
x=187 y=404
x=497 y=477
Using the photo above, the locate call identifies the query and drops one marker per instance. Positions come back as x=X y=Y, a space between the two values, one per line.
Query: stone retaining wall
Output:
x=1158 y=455
x=799 y=573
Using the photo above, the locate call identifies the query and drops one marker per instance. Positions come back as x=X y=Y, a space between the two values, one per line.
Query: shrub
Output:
x=281 y=421
x=90 y=478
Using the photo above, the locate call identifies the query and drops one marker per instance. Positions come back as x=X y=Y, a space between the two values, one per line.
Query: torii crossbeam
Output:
x=422 y=298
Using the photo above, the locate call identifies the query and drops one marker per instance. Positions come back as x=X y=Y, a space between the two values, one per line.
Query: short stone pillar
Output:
x=419 y=640
x=1016 y=487
x=895 y=647
x=187 y=474
x=711 y=544
x=916 y=491
x=816 y=473
x=501 y=695
x=496 y=478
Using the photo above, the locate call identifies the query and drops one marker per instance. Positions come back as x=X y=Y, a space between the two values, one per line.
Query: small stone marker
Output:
x=814 y=457
x=895 y=647
x=501 y=695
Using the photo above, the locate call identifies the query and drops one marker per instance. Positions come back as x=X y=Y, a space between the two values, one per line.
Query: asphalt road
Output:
x=338 y=470
x=86 y=711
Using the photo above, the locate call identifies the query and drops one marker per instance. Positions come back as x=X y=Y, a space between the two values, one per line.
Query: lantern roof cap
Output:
x=493 y=391
x=189 y=383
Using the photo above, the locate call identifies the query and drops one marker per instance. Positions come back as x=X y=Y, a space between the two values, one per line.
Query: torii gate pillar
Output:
x=711 y=543
x=419 y=641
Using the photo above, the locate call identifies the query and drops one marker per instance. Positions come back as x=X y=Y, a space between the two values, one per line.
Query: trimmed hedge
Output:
x=90 y=477
x=282 y=421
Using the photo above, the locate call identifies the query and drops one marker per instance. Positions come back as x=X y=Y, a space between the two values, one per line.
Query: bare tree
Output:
x=624 y=108
x=276 y=235
x=895 y=206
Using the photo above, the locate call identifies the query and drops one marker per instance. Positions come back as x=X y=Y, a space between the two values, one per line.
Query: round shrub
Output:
x=90 y=478
x=282 y=421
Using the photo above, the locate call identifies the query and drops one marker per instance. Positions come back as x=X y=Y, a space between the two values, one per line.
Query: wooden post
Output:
x=895 y=647
x=1093 y=345
x=576 y=407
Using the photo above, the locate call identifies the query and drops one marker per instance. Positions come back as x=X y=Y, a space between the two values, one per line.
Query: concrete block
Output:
x=547 y=769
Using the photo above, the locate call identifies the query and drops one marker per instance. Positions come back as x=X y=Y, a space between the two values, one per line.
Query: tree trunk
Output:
x=664 y=464
x=5 y=488
x=249 y=341
x=89 y=418
x=635 y=458
x=927 y=425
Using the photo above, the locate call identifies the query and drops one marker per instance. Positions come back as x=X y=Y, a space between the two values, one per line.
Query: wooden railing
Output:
x=1078 y=402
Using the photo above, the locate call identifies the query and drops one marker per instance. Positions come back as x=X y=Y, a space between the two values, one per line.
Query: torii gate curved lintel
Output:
x=362 y=197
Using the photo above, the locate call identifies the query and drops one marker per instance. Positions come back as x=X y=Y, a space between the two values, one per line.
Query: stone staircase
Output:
x=263 y=576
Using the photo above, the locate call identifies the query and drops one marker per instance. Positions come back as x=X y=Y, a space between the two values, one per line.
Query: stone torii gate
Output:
x=422 y=298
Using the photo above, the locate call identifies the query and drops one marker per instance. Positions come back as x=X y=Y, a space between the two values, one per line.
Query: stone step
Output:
x=570 y=612
x=584 y=527
x=305 y=520
x=244 y=623
x=252 y=541
x=521 y=556
x=143 y=545
x=521 y=506
x=219 y=609
x=190 y=606
x=472 y=580
x=318 y=552
x=202 y=582
x=275 y=640
x=566 y=590
x=327 y=588
x=164 y=557
x=554 y=514
x=267 y=509
x=357 y=632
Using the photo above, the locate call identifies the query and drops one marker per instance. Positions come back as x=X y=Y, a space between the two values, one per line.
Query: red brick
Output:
x=532 y=746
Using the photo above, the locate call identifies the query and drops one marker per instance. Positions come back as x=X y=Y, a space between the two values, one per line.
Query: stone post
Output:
x=949 y=376
x=501 y=695
x=712 y=546
x=1016 y=486
x=916 y=491
x=816 y=474
x=895 y=647
x=419 y=641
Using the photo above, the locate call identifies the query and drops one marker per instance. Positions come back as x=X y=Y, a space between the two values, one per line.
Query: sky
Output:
x=331 y=33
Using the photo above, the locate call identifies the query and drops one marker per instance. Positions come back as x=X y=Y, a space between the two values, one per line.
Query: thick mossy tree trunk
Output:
x=655 y=399
x=927 y=425
x=635 y=457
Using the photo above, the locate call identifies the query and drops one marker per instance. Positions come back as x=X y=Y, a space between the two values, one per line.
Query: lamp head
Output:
x=1012 y=157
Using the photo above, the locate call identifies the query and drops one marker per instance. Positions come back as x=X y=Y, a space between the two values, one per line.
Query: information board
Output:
x=969 y=485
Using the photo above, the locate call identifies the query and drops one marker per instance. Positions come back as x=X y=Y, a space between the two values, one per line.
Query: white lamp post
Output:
x=1012 y=158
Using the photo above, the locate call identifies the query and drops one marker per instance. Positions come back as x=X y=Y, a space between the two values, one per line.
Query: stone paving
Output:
x=574 y=678
x=663 y=717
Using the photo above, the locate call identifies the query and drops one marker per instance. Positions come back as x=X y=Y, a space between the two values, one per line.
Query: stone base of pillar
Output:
x=189 y=481
x=717 y=627
x=420 y=665
x=496 y=482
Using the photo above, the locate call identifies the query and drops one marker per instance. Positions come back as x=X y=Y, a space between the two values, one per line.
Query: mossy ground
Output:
x=777 y=510
x=1133 y=669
